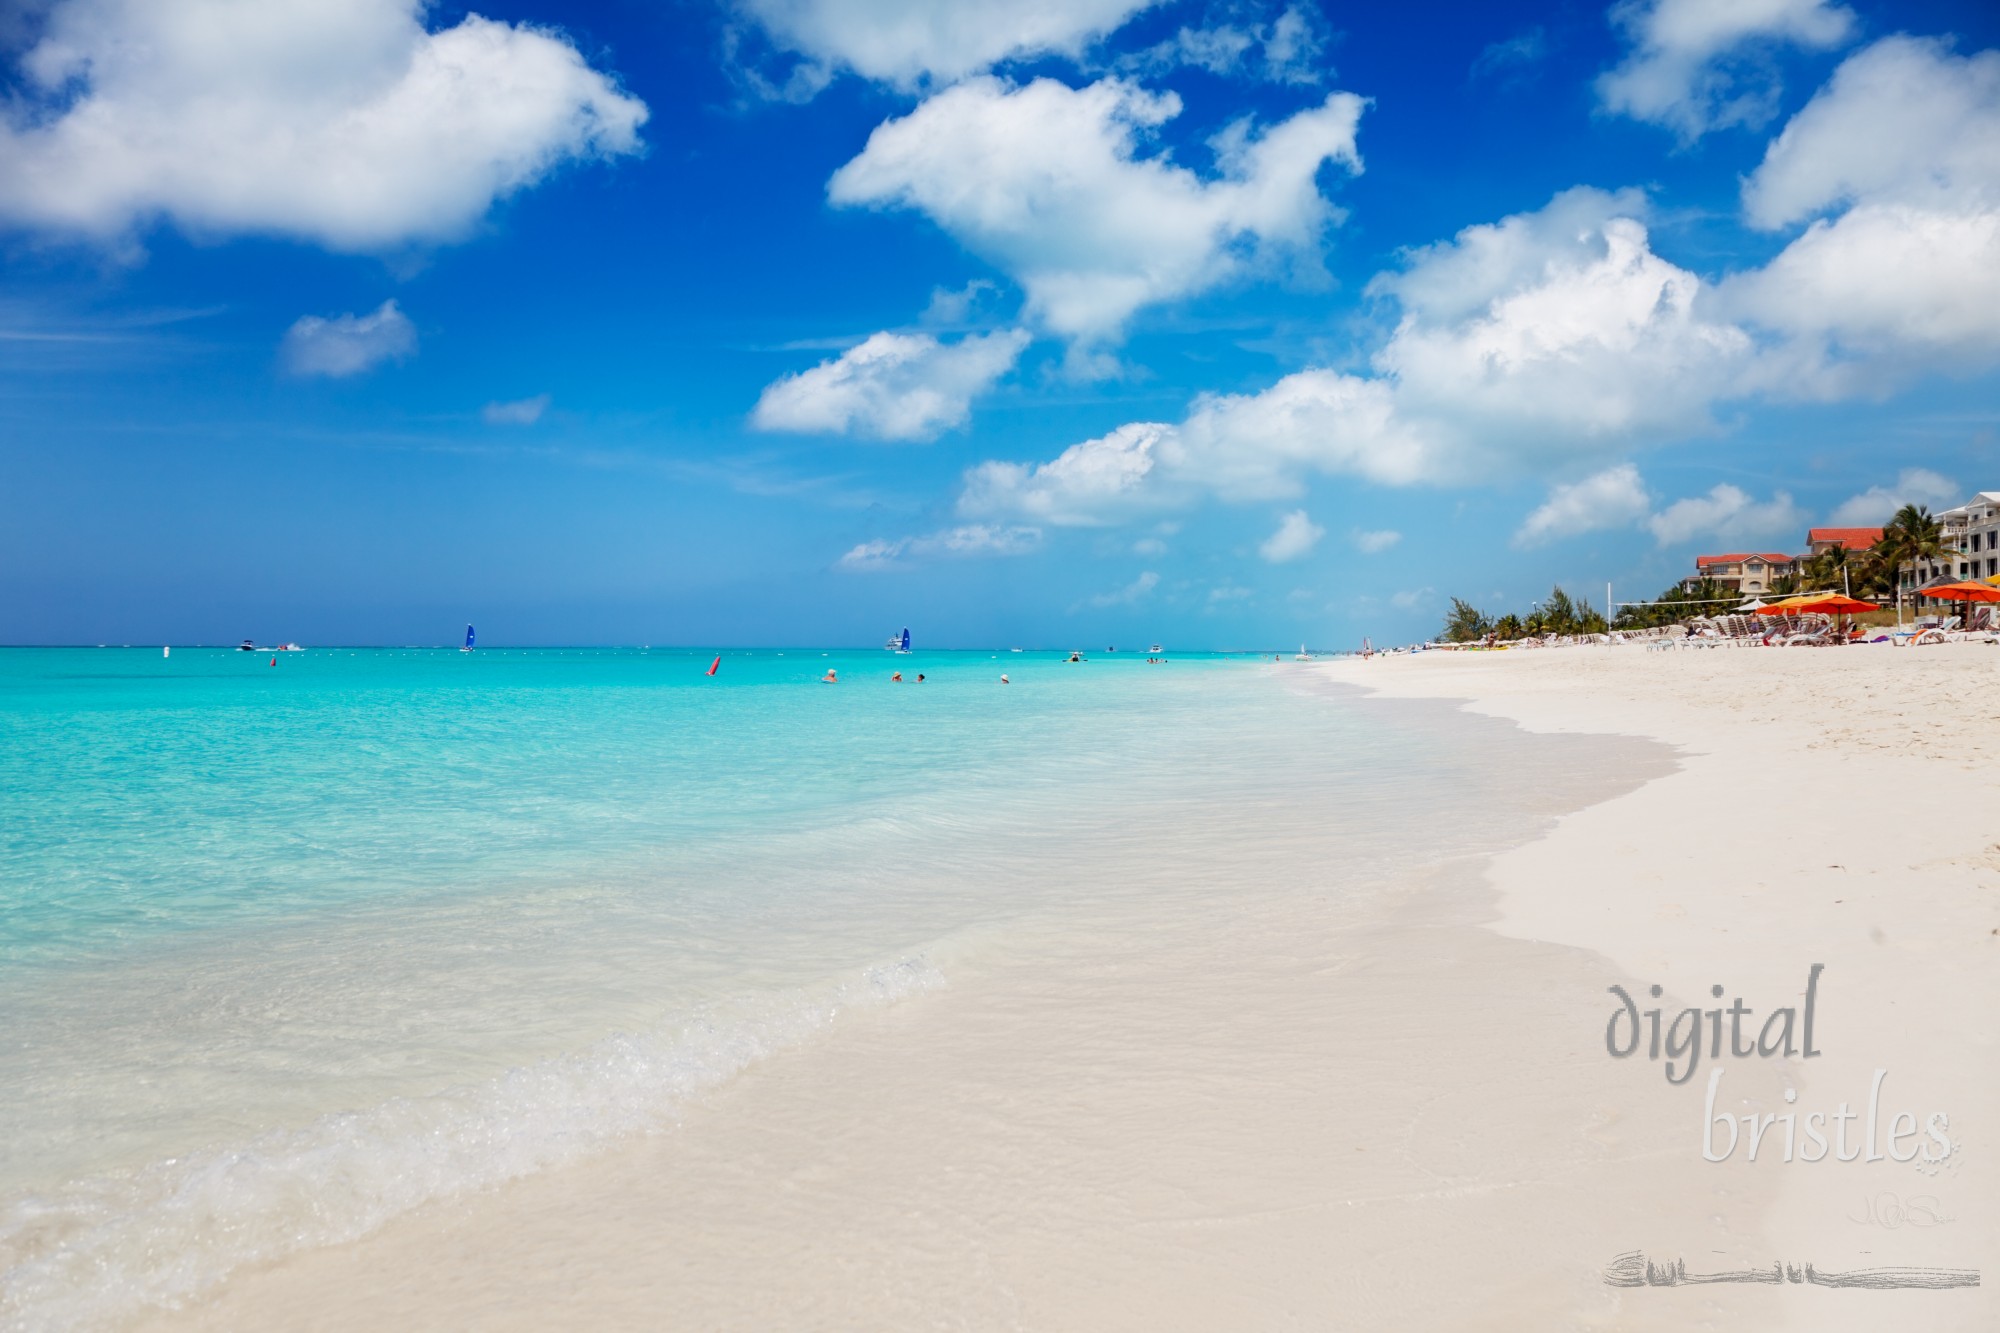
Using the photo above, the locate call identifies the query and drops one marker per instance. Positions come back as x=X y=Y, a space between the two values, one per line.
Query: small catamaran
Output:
x=468 y=640
x=898 y=644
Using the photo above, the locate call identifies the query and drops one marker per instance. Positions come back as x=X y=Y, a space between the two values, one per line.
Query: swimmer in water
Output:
x=1003 y=678
x=920 y=678
x=829 y=678
x=898 y=678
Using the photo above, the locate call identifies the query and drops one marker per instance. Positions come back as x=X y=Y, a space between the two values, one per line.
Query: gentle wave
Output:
x=101 y=1251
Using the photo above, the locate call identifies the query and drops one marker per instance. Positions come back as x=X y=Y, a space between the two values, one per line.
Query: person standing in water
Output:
x=829 y=678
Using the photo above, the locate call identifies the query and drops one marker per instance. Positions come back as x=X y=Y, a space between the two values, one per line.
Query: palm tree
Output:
x=1912 y=536
x=1826 y=571
x=1873 y=573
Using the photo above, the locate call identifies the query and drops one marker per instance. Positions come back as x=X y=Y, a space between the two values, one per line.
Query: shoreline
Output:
x=1078 y=1134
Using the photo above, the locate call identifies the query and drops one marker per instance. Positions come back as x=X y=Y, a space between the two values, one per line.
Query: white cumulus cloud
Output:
x=972 y=539
x=893 y=386
x=1701 y=65
x=1617 y=499
x=1539 y=341
x=1255 y=446
x=343 y=122
x=1903 y=147
x=1046 y=182
x=1296 y=535
x=1095 y=482
x=348 y=344
x=1559 y=340
x=1905 y=120
x=1613 y=498
x=911 y=43
x=1551 y=334
x=1728 y=514
x=1374 y=543
x=1878 y=504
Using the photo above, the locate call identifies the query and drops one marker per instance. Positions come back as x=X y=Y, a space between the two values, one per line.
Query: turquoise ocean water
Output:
x=286 y=950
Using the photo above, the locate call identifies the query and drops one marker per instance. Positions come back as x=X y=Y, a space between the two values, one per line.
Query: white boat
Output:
x=1155 y=649
x=1303 y=655
x=898 y=643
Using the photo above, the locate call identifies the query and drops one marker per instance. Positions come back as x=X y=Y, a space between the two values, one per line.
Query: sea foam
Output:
x=100 y=1251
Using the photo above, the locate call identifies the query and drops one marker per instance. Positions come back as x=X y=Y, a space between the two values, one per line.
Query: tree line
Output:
x=1558 y=613
x=1912 y=535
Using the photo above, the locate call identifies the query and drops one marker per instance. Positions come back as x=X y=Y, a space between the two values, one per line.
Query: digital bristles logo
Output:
x=1901 y=1136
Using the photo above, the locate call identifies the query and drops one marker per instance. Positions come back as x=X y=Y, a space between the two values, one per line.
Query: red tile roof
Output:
x=1854 y=539
x=1768 y=557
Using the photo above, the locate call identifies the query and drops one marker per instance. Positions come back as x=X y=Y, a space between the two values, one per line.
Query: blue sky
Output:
x=790 y=321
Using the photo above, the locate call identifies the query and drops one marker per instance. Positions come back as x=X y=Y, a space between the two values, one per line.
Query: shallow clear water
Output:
x=150 y=795
x=286 y=950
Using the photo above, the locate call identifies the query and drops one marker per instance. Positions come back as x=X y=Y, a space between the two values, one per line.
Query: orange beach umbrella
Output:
x=1967 y=592
x=1961 y=592
x=1831 y=603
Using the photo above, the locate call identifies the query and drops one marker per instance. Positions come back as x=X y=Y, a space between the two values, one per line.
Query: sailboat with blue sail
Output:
x=468 y=640
x=898 y=643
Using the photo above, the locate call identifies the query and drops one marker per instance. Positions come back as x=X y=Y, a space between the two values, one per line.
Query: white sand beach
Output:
x=1834 y=807
x=1390 y=1109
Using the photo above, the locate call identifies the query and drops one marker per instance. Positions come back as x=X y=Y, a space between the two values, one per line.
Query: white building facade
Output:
x=1971 y=540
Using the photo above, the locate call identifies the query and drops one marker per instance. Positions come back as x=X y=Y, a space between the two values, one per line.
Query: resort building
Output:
x=1744 y=572
x=1821 y=540
x=1970 y=535
x=1971 y=541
